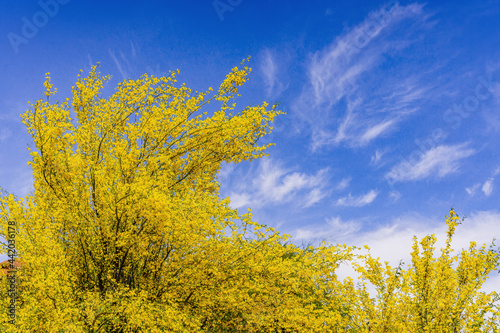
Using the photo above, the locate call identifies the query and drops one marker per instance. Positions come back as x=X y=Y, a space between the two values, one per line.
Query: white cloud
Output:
x=343 y=102
x=118 y=64
x=376 y=130
x=377 y=157
x=133 y=46
x=439 y=161
x=472 y=190
x=306 y=234
x=225 y=171
x=275 y=187
x=239 y=200
x=317 y=194
x=343 y=184
x=394 y=242
x=359 y=201
x=343 y=228
x=314 y=196
x=270 y=184
x=334 y=229
x=269 y=69
x=487 y=187
x=395 y=195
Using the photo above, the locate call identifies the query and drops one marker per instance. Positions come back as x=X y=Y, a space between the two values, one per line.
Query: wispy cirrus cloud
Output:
x=270 y=69
x=438 y=162
x=357 y=201
x=487 y=187
x=240 y=200
x=118 y=64
x=472 y=189
x=334 y=228
x=394 y=195
x=314 y=196
x=271 y=184
x=376 y=158
x=343 y=184
x=277 y=184
x=349 y=97
x=376 y=130
x=122 y=62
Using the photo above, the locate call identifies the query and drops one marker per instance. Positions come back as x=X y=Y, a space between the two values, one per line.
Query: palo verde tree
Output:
x=125 y=225
x=440 y=294
x=125 y=230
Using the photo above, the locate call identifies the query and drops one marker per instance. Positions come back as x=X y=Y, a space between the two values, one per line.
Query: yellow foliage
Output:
x=125 y=231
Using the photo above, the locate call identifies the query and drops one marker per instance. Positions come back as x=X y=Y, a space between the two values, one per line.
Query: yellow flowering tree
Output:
x=125 y=226
x=440 y=294
x=125 y=231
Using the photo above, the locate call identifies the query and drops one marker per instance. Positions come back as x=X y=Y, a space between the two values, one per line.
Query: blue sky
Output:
x=393 y=108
